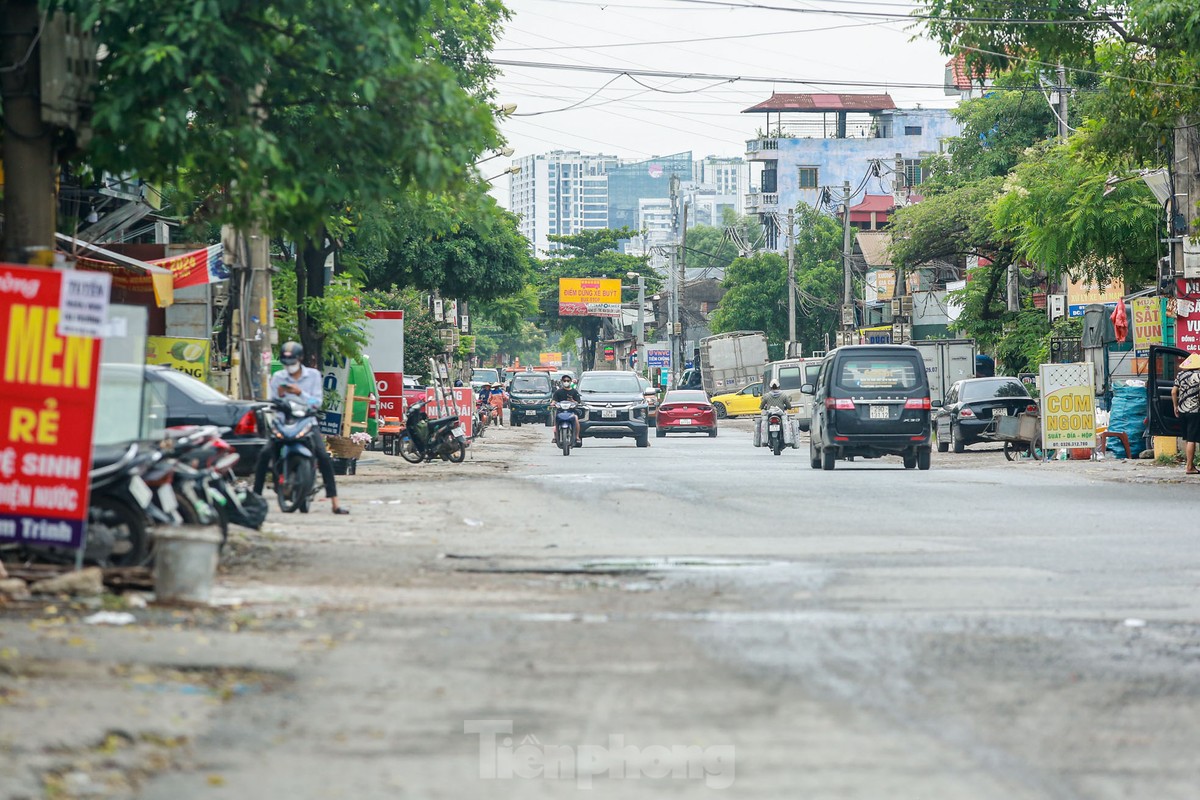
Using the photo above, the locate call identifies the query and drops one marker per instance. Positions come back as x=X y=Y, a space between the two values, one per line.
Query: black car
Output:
x=187 y=401
x=613 y=406
x=971 y=409
x=870 y=401
x=529 y=396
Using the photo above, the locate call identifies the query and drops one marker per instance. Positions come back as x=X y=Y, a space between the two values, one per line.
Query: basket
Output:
x=343 y=447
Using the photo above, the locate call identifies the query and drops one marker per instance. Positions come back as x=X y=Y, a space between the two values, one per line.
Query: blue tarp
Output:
x=1128 y=416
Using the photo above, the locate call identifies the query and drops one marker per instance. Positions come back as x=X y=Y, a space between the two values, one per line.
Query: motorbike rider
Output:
x=775 y=399
x=567 y=391
x=305 y=383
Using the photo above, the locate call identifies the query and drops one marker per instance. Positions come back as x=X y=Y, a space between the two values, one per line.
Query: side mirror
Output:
x=808 y=388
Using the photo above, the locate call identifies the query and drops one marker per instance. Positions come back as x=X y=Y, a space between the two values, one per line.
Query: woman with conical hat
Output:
x=1185 y=397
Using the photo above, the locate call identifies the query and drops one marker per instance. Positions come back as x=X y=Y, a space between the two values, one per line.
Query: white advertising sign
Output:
x=1068 y=406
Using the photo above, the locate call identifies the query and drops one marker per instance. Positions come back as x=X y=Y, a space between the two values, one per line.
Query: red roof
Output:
x=875 y=202
x=824 y=102
x=964 y=77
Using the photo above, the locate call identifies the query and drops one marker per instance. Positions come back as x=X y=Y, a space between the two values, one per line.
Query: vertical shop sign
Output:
x=48 y=406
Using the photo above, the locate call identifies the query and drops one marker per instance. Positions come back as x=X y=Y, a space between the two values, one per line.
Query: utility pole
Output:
x=30 y=201
x=1062 y=103
x=1185 y=178
x=791 y=282
x=248 y=255
x=680 y=311
x=848 y=315
x=673 y=307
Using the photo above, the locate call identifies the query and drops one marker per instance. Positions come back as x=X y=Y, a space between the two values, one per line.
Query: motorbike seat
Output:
x=106 y=455
x=442 y=422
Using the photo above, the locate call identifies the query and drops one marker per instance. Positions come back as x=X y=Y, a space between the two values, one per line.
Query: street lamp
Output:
x=513 y=170
x=503 y=151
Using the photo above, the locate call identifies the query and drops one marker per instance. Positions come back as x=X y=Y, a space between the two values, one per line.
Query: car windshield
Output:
x=485 y=375
x=193 y=388
x=616 y=383
x=530 y=383
x=878 y=373
x=973 y=391
x=685 y=397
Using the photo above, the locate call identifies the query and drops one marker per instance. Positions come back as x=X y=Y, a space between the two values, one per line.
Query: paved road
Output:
x=701 y=616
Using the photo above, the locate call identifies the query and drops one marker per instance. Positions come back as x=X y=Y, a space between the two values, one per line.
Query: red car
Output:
x=686 y=411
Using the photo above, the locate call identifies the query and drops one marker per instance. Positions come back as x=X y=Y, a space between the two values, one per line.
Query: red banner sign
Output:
x=464 y=402
x=1187 y=315
x=47 y=411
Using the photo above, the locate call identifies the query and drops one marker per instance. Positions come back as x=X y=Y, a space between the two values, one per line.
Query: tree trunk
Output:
x=310 y=282
x=29 y=193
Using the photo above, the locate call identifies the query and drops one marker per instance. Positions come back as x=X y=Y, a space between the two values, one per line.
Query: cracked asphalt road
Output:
x=703 y=617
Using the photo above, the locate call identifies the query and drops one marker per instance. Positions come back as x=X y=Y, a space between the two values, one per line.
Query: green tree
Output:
x=588 y=254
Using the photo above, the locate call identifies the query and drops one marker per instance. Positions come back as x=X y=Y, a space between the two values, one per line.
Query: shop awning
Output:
x=128 y=273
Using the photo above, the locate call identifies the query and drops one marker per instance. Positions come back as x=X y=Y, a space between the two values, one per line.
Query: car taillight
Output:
x=1031 y=409
x=841 y=403
x=966 y=412
x=919 y=403
x=247 y=425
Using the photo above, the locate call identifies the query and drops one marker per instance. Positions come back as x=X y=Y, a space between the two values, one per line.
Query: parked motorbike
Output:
x=294 y=463
x=564 y=420
x=121 y=508
x=425 y=439
x=208 y=483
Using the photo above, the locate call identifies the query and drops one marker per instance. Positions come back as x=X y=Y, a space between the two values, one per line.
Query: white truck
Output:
x=947 y=361
x=731 y=361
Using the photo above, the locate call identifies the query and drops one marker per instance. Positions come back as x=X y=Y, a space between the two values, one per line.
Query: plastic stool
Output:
x=1121 y=437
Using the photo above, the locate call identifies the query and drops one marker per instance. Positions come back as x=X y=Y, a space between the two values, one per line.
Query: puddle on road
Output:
x=623 y=566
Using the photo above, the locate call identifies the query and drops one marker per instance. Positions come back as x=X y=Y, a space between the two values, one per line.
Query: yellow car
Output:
x=736 y=404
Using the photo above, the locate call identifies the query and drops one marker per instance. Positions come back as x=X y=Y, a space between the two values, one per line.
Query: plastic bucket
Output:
x=185 y=563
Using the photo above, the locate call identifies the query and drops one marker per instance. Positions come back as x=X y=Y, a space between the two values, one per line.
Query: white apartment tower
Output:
x=560 y=193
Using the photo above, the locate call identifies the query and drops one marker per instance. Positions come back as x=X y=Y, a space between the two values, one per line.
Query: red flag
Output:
x=1120 y=321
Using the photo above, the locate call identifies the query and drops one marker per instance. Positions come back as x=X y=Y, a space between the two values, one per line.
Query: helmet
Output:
x=774 y=384
x=291 y=353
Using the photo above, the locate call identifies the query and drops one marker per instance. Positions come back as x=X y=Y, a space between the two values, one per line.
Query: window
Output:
x=808 y=177
x=912 y=172
x=789 y=377
x=912 y=130
x=770 y=177
x=878 y=373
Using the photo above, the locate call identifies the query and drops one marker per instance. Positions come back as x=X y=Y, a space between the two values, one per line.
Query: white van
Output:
x=792 y=373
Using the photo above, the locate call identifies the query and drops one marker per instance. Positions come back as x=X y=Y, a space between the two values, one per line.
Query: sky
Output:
x=797 y=45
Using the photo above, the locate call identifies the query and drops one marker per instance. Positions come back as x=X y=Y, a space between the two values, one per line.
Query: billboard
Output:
x=385 y=349
x=1080 y=295
x=1147 y=324
x=189 y=356
x=550 y=359
x=1068 y=406
x=589 y=297
x=48 y=406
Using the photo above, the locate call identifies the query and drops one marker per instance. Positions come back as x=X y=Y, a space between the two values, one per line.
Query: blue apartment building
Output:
x=812 y=142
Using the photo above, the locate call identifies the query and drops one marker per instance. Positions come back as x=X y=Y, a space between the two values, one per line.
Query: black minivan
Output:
x=870 y=401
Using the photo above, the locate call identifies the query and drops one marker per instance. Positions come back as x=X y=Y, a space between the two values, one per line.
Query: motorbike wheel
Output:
x=407 y=449
x=190 y=516
x=132 y=545
x=302 y=469
x=457 y=453
x=777 y=445
x=285 y=491
x=564 y=440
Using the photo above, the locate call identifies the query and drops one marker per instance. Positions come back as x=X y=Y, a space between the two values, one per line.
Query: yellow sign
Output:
x=885 y=283
x=589 y=297
x=550 y=359
x=1147 y=322
x=1085 y=294
x=189 y=356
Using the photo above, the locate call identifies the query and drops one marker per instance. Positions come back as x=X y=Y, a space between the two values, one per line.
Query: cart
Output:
x=1021 y=434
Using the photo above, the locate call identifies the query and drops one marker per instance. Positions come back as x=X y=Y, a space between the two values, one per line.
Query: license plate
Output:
x=531 y=413
x=608 y=413
x=999 y=412
x=166 y=498
x=140 y=491
x=685 y=422
x=458 y=430
x=881 y=412
x=775 y=427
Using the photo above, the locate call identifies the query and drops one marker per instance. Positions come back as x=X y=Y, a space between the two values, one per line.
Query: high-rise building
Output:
x=633 y=181
x=728 y=180
x=560 y=193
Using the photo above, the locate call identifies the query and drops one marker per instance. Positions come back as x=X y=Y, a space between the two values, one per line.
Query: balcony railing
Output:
x=762 y=200
x=758 y=145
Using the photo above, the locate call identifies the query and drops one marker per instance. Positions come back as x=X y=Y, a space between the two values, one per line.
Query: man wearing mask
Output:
x=305 y=383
